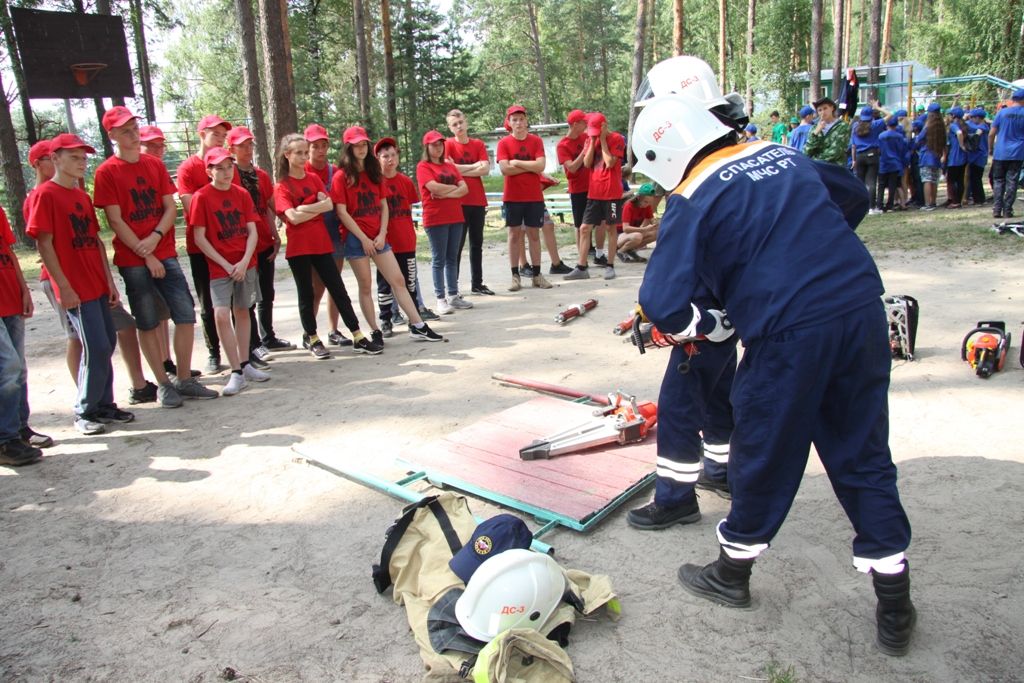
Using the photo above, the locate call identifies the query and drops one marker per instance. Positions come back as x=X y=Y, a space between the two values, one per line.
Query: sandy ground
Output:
x=191 y=540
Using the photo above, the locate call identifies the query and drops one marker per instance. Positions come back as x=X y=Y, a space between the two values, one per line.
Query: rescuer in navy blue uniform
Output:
x=770 y=233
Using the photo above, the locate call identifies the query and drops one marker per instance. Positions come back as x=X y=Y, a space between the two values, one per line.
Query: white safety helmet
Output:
x=682 y=75
x=514 y=589
x=668 y=133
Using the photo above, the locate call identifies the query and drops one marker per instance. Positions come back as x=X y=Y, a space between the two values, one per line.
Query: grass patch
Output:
x=957 y=233
x=776 y=673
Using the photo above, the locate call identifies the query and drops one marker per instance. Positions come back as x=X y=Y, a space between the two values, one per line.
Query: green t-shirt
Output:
x=778 y=132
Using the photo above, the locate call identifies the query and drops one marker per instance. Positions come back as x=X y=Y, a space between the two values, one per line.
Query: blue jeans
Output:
x=13 y=378
x=444 y=248
x=95 y=328
x=143 y=289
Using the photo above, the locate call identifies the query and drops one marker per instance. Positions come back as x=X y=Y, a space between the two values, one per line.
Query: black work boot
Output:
x=895 y=612
x=725 y=581
x=719 y=486
x=652 y=516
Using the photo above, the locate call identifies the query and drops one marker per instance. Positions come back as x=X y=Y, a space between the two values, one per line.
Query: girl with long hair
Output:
x=867 y=153
x=300 y=199
x=931 y=151
x=360 y=199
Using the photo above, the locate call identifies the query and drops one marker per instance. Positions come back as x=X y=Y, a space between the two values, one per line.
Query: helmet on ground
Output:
x=514 y=589
x=668 y=134
x=682 y=75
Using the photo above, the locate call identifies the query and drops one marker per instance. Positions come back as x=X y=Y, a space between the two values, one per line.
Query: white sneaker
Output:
x=444 y=308
x=89 y=427
x=236 y=383
x=458 y=302
x=609 y=273
x=254 y=374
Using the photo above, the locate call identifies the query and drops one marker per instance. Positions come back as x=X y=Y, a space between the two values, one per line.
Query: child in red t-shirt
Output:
x=300 y=200
x=360 y=198
x=402 y=194
x=223 y=218
x=15 y=306
x=63 y=223
x=639 y=224
x=521 y=159
x=470 y=158
x=441 y=187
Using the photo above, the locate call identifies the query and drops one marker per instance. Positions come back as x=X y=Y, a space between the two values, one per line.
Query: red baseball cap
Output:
x=354 y=135
x=515 y=109
x=38 y=151
x=69 y=141
x=432 y=136
x=239 y=134
x=314 y=132
x=594 y=122
x=385 y=142
x=211 y=121
x=150 y=133
x=116 y=116
x=575 y=116
x=216 y=155
x=547 y=181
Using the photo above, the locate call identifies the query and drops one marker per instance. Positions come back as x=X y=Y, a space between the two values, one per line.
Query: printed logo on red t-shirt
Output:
x=367 y=203
x=523 y=154
x=230 y=222
x=144 y=202
x=80 y=225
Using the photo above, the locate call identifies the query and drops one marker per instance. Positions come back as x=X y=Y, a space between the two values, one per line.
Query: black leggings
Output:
x=888 y=181
x=955 y=174
x=474 y=217
x=201 y=281
x=976 y=179
x=386 y=300
x=867 y=171
x=327 y=269
x=264 y=310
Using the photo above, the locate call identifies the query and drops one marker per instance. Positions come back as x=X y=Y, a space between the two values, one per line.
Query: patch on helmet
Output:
x=483 y=545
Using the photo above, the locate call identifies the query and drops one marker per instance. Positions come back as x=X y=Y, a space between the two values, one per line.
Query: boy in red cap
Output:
x=137 y=196
x=318 y=165
x=63 y=223
x=153 y=141
x=258 y=184
x=521 y=158
x=571 y=153
x=224 y=219
x=469 y=156
x=213 y=130
x=15 y=306
x=604 y=198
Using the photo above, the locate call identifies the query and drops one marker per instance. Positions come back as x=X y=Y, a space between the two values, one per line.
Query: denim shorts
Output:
x=226 y=293
x=145 y=292
x=333 y=225
x=930 y=174
x=354 y=248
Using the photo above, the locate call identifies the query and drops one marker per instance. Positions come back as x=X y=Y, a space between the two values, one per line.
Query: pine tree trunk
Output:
x=817 y=10
x=678 y=26
x=652 y=30
x=887 y=33
x=19 y=73
x=531 y=9
x=751 y=21
x=389 y=66
x=874 y=47
x=362 y=63
x=277 y=61
x=411 y=121
x=638 y=66
x=142 y=58
x=838 y=14
x=14 y=181
x=251 y=79
x=722 y=16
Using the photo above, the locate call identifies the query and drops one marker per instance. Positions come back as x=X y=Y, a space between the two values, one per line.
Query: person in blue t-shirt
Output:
x=892 y=162
x=1007 y=142
x=914 y=172
x=956 y=158
x=977 y=158
x=770 y=233
x=751 y=133
x=931 y=153
x=864 y=140
x=798 y=138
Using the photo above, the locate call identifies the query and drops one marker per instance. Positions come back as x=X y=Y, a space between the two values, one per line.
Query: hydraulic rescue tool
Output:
x=623 y=421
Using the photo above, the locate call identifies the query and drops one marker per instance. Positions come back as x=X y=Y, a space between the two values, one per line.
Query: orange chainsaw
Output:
x=985 y=347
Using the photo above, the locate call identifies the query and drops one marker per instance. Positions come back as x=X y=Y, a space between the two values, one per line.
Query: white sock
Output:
x=600 y=252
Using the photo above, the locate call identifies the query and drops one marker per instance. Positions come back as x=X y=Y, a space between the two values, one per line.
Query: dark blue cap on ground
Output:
x=492 y=536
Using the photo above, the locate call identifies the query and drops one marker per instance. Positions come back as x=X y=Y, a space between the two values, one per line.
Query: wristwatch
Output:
x=157 y=231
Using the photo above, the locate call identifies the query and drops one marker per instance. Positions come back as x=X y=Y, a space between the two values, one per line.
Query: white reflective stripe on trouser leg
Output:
x=717 y=452
x=894 y=564
x=683 y=472
x=738 y=551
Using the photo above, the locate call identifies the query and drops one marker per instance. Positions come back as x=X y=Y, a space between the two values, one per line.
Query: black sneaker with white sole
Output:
x=424 y=333
x=377 y=337
x=338 y=339
x=367 y=346
x=111 y=414
x=319 y=351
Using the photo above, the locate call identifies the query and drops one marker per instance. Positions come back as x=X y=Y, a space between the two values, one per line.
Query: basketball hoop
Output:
x=86 y=71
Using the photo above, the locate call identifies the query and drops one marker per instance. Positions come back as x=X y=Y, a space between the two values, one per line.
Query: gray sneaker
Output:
x=87 y=426
x=191 y=388
x=609 y=273
x=427 y=314
x=398 y=319
x=578 y=274
x=167 y=396
x=458 y=302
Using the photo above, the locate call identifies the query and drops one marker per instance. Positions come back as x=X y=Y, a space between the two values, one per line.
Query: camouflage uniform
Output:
x=832 y=146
